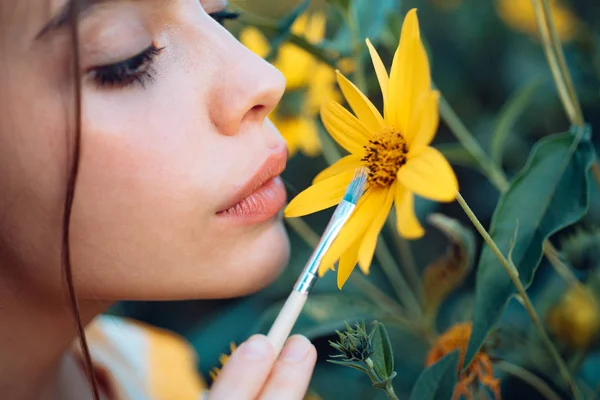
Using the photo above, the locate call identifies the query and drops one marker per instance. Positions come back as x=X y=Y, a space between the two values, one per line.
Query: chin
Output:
x=261 y=264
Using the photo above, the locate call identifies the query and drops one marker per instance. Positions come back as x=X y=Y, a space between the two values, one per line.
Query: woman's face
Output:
x=174 y=135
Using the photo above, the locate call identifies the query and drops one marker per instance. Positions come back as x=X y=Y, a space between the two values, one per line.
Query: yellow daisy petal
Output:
x=369 y=242
x=295 y=64
x=300 y=24
x=347 y=263
x=350 y=162
x=364 y=110
x=382 y=76
x=367 y=207
x=409 y=76
x=406 y=221
x=425 y=121
x=254 y=40
x=321 y=85
x=324 y=194
x=316 y=28
x=348 y=131
x=308 y=137
x=428 y=174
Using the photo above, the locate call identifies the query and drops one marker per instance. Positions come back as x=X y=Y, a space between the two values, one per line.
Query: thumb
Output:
x=246 y=371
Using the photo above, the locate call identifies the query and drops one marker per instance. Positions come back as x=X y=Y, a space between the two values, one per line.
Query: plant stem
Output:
x=560 y=71
x=389 y=389
x=399 y=284
x=533 y=380
x=556 y=60
x=559 y=266
x=563 y=92
x=513 y=273
x=407 y=259
x=486 y=163
x=467 y=140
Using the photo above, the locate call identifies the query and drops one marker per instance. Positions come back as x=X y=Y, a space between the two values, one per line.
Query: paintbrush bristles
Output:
x=357 y=185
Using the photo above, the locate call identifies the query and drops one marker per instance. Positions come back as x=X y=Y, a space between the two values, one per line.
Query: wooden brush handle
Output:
x=286 y=319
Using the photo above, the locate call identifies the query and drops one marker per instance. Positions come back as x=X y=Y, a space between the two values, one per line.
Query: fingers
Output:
x=246 y=371
x=291 y=374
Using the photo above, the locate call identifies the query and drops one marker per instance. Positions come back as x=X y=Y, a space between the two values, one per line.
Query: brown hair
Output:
x=75 y=147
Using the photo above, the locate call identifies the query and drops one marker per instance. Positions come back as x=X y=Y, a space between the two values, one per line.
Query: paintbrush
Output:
x=290 y=311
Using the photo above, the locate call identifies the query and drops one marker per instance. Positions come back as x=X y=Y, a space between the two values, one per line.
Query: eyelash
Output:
x=138 y=69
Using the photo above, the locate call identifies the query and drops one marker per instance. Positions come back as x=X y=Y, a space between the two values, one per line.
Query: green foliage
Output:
x=370 y=353
x=542 y=206
x=437 y=381
x=508 y=117
x=383 y=356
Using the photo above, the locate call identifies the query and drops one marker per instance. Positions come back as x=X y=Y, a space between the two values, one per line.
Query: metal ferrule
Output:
x=310 y=273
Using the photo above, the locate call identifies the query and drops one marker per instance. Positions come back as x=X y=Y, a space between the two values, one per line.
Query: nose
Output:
x=247 y=90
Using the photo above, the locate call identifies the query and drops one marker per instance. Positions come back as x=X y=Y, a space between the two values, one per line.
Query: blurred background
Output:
x=487 y=60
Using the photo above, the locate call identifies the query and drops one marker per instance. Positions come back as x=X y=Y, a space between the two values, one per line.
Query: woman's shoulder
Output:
x=139 y=361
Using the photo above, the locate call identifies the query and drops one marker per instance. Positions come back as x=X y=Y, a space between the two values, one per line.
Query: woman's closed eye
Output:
x=137 y=69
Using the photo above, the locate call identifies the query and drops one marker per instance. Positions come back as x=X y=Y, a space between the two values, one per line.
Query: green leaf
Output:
x=324 y=313
x=359 y=365
x=438 y=380
x=286 y=23
x=342 y=4
x=550 y=193
x=383 y=355
x=371 y=21
x=508 y=116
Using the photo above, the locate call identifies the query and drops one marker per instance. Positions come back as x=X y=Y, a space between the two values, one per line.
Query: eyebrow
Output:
x=64 y=14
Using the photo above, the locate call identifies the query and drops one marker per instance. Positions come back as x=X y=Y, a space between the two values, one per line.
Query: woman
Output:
x=139 y=164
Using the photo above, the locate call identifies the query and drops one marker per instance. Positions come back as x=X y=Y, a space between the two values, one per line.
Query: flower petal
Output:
x=350 y=162
x=348 y=131
x=359 y=222
x=369 y=242
x=406 y=221
x=382 y=76
x=428 y=174
x=324 y=194
x=307 y=135
x=255 y=41
x=347 y=263
x=363 y=108
x=315 y=31
x=424 y=122
x=409 y=77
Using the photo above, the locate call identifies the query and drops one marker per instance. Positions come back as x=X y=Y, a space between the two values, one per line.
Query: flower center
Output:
x=385 y=154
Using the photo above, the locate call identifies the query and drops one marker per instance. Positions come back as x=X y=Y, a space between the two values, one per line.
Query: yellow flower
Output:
x=575 y=319
x=520 y=15
x=308 y=81
x=223 y=360
x=395 y=148
x=481 y=369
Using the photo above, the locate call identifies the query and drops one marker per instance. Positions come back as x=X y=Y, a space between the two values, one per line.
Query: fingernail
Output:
x=256 y=348
x=296 y=349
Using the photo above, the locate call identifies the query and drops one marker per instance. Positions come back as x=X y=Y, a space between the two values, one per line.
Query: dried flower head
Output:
x=479 y=373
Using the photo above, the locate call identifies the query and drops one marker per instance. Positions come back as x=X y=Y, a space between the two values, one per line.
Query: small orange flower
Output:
x=480 y=372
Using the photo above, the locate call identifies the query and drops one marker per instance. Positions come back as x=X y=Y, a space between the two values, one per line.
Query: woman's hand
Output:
x=252 y=372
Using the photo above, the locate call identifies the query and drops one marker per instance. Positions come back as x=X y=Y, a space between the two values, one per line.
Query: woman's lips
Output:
x=263 y=195
x=260 y=205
